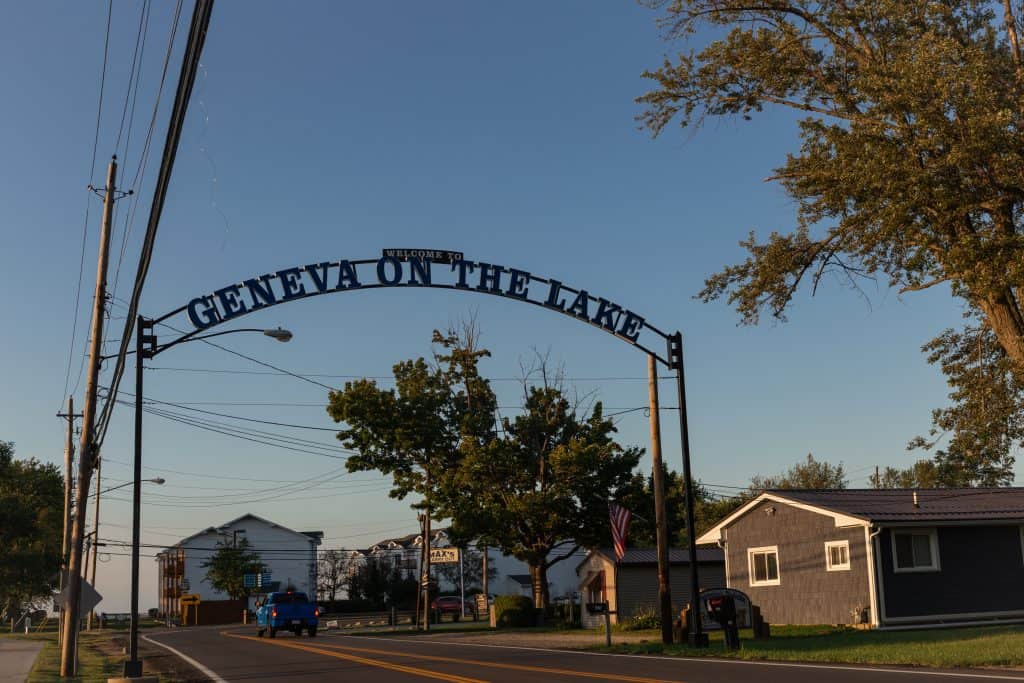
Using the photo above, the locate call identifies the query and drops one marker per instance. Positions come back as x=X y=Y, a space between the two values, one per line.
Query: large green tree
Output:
x=227 y=567
x=540 y=490
x=417 y=431
x=909 y=170
x=31 y=529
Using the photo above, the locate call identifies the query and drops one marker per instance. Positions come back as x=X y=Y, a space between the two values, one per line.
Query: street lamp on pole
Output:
x=159 y=481
x=146 y=347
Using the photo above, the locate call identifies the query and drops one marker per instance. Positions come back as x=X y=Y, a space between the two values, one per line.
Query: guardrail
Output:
x=366 y=619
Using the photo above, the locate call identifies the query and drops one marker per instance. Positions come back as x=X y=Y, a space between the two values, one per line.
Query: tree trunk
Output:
x=1003 y=318
x=539 y=582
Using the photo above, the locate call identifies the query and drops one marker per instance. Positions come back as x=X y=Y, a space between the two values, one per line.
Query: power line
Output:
x=186 y=81
x=88 y=205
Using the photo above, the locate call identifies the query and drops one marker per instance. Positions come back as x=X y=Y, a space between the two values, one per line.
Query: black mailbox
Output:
x=597 y=608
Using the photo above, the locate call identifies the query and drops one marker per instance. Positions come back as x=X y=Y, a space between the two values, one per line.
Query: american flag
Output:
x=620 y=517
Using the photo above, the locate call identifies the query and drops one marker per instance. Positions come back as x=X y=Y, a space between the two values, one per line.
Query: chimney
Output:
x=915 y=499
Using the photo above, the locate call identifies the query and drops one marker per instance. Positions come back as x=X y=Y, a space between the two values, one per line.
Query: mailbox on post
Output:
x=602 y=608
x=727 y=609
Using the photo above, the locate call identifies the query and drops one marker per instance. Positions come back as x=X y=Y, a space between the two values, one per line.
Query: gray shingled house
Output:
x=884 y=557
x=631 y=583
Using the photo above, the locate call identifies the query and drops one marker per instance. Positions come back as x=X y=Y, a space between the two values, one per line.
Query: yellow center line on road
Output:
x=500 y=665
x=426 y=673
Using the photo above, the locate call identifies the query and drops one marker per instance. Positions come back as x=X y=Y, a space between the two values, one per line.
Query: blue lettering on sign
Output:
x=347 y=278
x=206 y=315
x=316 y=278
x=419 y=271
x=382 y=271
x=230 y=303
x=291 y=283
x=318 y=274
x=261 y=291
x=462 y=267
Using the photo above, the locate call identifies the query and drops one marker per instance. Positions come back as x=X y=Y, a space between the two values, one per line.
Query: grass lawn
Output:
x=94 y=665
x=956 y=647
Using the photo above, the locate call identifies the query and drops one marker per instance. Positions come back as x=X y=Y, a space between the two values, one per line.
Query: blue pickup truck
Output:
x=289 y=611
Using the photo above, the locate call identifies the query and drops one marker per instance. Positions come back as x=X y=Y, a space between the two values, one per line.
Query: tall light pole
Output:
x=146 y=347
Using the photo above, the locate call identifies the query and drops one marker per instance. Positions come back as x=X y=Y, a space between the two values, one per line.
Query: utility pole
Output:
x=95 y=534
x=426 y=559
x=660 y=514
x=69 y=459
x=87 y=459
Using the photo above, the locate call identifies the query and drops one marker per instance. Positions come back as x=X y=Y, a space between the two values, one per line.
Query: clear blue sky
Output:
x=327 y=130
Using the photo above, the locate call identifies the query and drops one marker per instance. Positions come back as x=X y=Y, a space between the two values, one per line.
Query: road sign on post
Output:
x=444 y=555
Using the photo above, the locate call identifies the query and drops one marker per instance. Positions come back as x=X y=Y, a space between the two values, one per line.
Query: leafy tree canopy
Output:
x=31 y=529
x=227 y=567
x=909 y=170
x=540 y=490
x=809 y=474
x=423 y=424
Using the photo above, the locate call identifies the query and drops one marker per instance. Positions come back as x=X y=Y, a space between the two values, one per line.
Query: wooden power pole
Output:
x=87 y=458
x=69 y=478
x=660 y=514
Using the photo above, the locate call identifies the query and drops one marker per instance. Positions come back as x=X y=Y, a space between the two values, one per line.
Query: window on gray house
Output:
x=916 y=550
x=764 y=566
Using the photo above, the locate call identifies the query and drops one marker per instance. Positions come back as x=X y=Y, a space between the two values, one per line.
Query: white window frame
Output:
x=933 y=539
x=843 y=567
x=750 y=565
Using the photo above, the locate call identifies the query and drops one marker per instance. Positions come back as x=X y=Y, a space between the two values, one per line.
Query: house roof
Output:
x=313 y=536
x=521 y=579
x=933 y=505
x=862 y=507
x=407 y=541
x=640 y=557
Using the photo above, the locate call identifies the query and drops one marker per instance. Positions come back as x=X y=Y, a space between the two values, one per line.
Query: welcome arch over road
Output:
x=400 y=268
x=403 y=268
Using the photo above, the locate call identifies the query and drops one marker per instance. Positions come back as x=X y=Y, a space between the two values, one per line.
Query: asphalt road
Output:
x=235 y=654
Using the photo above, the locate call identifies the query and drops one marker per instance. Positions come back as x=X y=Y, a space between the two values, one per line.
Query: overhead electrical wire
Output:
x=186 y=81
x=88 y=205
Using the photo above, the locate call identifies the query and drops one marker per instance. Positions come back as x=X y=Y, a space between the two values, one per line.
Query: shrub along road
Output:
x=231 y=654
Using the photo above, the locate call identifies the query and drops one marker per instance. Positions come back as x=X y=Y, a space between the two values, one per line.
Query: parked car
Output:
x=291 y=611
x=448 y=604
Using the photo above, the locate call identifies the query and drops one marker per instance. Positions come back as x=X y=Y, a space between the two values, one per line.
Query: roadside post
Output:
x=602 y=608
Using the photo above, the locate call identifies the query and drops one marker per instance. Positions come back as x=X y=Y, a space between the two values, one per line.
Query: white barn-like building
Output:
x=289 y=558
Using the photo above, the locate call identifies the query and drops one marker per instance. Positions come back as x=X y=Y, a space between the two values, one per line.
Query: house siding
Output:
x=807 y=593
x=981 y=570
x=638 y=586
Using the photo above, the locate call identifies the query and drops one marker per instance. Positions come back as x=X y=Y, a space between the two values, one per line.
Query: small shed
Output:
x=631 y=584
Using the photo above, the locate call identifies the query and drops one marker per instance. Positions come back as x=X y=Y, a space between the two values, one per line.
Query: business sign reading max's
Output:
x=406 y=268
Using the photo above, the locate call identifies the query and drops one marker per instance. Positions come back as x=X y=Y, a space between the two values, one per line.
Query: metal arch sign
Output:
x=398 y=268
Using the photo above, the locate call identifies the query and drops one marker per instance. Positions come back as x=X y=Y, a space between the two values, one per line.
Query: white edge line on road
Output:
x=209 y=673
x=709 y=660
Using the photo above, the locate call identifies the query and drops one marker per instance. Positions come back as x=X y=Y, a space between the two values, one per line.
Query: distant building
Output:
x=631 y=584
x=885 y=557
x=289 y=558
x=510 y=576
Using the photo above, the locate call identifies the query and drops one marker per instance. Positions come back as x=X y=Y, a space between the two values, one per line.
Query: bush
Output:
x=646 y=617
x=513 y=610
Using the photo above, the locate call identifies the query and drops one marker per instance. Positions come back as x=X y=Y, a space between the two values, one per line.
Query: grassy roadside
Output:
x=95 y=664
x=945 y=648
